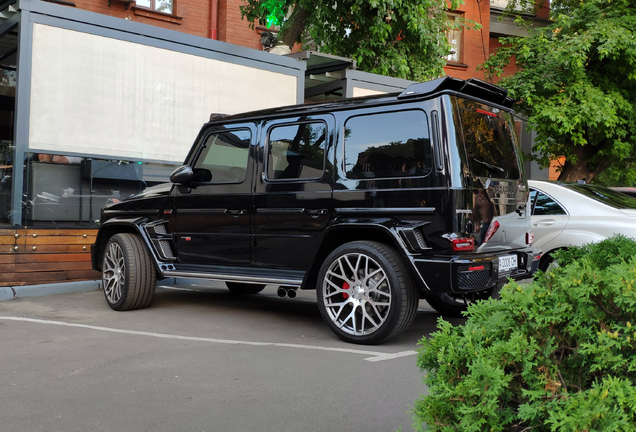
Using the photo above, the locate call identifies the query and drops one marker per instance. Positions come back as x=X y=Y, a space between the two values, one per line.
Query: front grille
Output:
x=160 y=229
x=473 y=279
x=165 y=248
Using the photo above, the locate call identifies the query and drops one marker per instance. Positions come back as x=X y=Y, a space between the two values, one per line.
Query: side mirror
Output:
x=182 y=175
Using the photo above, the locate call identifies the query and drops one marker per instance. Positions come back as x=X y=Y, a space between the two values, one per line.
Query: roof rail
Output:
x=472 y=87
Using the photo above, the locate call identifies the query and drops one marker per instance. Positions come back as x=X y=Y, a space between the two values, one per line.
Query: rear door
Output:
x=549 y=219
x=293 y=190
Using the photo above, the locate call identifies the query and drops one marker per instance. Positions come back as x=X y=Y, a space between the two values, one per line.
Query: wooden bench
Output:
x=35 y=256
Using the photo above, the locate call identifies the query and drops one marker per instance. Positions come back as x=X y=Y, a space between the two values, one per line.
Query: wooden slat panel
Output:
x=78 y=248
x=7 y=259
x=65 y=257
x=40 y=277
x=60 y=232
x=8 y=240
x=66 y=240
x=51 y=266
x=7 y=268
x=83 y=274
x=46 y=249
x=7 y=249
x=7 y=232
x=7 y=277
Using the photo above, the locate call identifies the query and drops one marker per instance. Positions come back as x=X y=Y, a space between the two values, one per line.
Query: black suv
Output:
x=374 y=202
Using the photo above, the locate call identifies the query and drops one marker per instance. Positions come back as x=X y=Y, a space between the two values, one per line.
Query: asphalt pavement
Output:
x=199 y=359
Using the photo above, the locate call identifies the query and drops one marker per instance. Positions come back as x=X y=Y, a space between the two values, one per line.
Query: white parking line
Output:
x=375 y=356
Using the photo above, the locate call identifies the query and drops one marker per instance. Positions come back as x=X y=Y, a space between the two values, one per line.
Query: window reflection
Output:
x=69 y=191
x=388 y=145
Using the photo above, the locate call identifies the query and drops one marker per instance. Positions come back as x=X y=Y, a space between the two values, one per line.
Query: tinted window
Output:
x=223 y=158
x=607 y=196
x=543 y=205
x=386 y=145
x=489 y=142
x=296 y=151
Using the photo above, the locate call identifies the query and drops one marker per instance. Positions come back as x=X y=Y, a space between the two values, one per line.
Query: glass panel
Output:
x=164 y=6
x=296 y=151
x=387 y=145
x=70 y=191
x=144 y=3
x=607 y=196
x=489 y=140
x=546 y=206
x=6 y=174
x=223 y=158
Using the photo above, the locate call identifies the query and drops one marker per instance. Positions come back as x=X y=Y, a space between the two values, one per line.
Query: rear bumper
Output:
x=471 y=273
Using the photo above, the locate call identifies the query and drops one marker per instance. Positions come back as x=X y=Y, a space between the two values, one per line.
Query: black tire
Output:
x=454 y=306
x=382 y=301
x=545 y=262
x=244 y=288
x=128 y=275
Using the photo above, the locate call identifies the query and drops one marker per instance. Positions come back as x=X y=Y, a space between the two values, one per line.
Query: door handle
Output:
x=543 y=222
x=315 y=212
x=236 y=213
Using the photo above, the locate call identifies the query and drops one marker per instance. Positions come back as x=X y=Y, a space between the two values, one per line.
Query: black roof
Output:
x=473 y=88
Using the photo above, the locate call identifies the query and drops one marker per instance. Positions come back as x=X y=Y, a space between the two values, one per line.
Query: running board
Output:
x=234 y=277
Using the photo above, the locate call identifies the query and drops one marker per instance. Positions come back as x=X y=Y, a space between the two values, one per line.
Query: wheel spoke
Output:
x=367 y=304
x=113 y=273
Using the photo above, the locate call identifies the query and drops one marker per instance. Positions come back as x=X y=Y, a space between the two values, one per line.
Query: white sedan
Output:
x=572 y=214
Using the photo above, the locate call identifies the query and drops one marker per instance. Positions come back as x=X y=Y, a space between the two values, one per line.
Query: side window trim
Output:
x=343 y=151
x=266 y=149
x=437 y=143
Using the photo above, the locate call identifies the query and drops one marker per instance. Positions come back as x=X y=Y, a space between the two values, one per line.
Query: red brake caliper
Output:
x=345 y=286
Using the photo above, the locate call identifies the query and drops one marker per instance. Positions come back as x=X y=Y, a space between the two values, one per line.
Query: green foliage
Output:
x=557 y=354
x=404 y=39
x=577 y=84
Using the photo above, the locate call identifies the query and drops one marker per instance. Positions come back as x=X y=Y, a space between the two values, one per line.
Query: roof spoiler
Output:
x=471 y=87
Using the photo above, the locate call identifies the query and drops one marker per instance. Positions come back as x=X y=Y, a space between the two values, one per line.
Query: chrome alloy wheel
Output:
x=113 y=273
x=357 y=294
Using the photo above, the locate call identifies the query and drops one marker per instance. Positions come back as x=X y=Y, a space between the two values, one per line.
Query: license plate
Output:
x=507 y=263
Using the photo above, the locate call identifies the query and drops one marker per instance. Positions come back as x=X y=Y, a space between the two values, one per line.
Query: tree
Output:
x=404 y=39
x=577 y=85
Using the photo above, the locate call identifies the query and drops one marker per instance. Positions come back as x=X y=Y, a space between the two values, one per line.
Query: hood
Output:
x=159 y=190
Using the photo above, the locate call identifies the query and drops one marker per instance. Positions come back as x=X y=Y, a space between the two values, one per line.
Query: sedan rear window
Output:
x=602 y=194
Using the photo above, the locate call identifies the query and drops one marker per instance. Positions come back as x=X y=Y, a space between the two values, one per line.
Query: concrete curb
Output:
x=11 y=293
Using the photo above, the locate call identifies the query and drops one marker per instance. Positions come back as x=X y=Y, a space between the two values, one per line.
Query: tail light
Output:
x=529 y=238
x=492 y=229
x=463 y=244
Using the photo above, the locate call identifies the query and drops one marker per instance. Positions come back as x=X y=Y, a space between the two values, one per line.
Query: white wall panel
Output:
x=102 y=96
x=359 y=91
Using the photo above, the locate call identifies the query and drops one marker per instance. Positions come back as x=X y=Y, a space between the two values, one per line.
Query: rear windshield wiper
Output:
x=490 y=167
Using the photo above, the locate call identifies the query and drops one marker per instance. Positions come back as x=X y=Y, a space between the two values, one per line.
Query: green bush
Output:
x=555 y=355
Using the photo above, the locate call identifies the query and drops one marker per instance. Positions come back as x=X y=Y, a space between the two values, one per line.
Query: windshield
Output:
x=490 y=145
x=602 y=194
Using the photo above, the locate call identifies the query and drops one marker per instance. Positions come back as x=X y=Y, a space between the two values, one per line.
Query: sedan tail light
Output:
x=463 y=244
x=492 y=229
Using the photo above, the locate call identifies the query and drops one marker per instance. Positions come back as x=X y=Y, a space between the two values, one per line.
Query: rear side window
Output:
x=395 y=144
x=488 y=137
x=543 y=205
x=223 y=157
x=296 y=151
